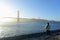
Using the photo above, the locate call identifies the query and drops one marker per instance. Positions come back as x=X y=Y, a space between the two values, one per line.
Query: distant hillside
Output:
x=30 y=20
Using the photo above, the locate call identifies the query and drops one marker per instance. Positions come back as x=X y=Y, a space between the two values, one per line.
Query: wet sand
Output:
x=55 y=38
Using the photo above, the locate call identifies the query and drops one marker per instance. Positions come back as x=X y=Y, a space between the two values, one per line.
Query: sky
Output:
x=44 y=9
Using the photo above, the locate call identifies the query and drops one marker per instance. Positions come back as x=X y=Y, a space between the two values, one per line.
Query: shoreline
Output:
x=34 y=35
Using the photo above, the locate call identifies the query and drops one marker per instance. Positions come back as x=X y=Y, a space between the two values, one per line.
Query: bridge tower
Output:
x=18 y=16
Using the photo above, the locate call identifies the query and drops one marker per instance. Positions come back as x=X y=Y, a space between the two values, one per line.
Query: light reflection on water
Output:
x=6 y=32
x=24 y=28
x=12 y=28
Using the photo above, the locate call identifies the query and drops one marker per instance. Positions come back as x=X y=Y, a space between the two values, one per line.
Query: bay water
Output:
x=22 y=28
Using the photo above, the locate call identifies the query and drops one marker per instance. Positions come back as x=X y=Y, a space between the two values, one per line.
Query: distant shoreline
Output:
x=28 y=19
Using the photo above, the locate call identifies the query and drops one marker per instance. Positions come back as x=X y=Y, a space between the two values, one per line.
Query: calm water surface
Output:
x=12 y=29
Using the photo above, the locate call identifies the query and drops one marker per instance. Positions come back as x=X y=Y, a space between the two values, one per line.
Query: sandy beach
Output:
x=55 y=38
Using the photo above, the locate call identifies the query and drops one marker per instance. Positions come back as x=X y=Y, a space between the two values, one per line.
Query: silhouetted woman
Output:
x=47 y=28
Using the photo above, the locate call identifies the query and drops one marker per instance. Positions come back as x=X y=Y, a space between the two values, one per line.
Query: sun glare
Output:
x=5 y=11
x=3 y=21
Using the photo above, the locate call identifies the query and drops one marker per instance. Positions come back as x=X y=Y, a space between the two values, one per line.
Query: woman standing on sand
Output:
x=47 y=28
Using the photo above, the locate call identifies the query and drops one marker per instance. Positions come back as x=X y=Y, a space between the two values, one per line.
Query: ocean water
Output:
x=14 y=29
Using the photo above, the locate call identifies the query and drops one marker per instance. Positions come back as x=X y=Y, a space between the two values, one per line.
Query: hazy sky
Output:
x=45 y=9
